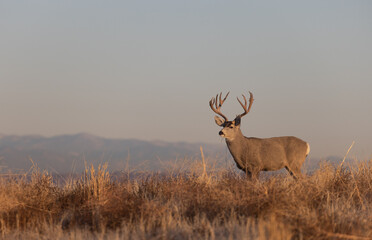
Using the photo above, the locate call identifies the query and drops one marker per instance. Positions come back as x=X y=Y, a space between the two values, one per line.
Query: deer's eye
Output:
x=231 y=126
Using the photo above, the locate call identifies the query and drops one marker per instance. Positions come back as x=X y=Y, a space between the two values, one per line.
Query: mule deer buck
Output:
x=253 y=155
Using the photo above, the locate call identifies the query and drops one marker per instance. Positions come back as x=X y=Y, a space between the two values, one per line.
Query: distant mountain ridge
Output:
x=67 y=153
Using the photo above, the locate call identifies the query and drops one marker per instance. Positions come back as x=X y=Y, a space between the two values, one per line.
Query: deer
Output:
x=253 y=155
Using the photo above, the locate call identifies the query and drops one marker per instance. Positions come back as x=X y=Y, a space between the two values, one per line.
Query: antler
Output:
x=217 y=109
x=246 y=110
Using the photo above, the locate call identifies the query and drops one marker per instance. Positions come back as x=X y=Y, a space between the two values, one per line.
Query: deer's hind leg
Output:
x=294 y=171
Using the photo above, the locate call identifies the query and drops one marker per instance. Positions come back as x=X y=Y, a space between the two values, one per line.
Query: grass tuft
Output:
x=331 y=203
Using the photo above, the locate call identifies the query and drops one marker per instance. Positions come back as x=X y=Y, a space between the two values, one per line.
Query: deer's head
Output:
x=230 y=128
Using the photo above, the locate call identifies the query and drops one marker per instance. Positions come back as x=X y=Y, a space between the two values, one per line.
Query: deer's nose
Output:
x=220 y=133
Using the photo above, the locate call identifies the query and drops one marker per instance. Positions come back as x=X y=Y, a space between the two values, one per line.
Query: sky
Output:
x=147 y=69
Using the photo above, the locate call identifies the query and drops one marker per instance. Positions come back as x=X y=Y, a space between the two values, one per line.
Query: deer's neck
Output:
x=235 y=145
x=237 y=138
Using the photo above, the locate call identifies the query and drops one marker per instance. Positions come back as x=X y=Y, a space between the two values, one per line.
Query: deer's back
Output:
x=274 y=153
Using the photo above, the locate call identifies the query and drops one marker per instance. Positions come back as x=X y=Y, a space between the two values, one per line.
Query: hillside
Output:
x=68 y=153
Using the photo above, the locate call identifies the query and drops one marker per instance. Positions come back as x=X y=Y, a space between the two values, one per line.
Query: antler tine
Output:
x=251 y=99
x=218 y=103
x=246 y=110
x=222 y=101
x=245 y=102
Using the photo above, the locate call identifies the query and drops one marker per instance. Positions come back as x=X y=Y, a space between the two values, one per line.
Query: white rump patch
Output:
x=308 y=149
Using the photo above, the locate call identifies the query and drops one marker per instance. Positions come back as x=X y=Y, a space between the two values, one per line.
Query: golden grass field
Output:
x=198 y=203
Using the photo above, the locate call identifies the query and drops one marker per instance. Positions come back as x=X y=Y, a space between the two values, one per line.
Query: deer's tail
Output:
x=308 y=149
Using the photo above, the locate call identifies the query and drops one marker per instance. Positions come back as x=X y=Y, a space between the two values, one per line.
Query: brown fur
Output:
x=253 y=155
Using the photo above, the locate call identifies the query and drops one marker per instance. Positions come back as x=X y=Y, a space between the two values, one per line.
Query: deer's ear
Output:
x=219 y=121
x=237 y=120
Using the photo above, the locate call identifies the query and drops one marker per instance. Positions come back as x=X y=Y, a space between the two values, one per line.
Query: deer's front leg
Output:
x=252 y=175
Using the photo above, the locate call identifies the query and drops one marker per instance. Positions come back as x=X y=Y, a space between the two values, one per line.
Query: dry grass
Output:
x=329 y=204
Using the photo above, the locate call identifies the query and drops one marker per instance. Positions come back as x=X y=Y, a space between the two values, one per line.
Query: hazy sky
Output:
x=147 y=69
